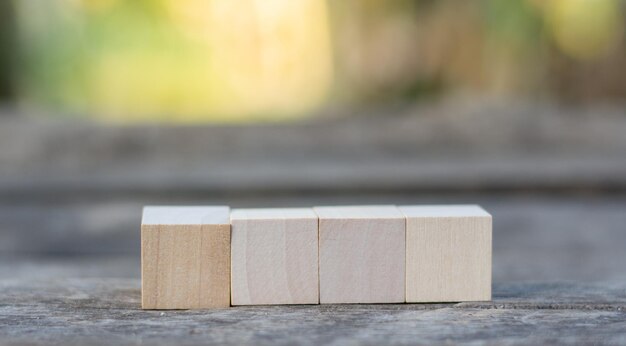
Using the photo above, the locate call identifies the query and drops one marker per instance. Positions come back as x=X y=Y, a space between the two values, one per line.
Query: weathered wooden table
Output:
x=106 y=311
x=71 y=198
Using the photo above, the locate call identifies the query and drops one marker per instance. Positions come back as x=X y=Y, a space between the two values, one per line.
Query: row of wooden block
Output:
x=205 y=257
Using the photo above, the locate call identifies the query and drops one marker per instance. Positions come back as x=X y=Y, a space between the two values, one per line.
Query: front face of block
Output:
x=362 y=255
x=274 y=256
x=448 y=254
x=185 y=266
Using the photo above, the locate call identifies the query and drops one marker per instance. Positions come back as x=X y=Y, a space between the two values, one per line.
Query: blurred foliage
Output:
x=239 y=60
x=184 y=60
x=7 y=48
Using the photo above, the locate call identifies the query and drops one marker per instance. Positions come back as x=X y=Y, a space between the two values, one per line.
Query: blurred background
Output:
x=245 y=60
x=109 y=105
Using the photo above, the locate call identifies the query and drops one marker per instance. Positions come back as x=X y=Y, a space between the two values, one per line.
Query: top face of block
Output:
x=168 y=215
x=359 y=212
x=272 y=213
x=468 y=210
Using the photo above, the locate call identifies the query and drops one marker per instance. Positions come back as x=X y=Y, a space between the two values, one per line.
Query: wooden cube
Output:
x=361 y=254
x=448 y=253
x=185 y=257
x=274 y=257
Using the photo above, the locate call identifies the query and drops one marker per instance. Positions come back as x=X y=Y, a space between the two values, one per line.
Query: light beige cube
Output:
x=361 y=254
x=274 y=257
x=448 y=253
x=185 y=257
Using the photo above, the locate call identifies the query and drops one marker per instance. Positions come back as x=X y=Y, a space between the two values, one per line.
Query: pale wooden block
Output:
x=274 y=256
x=185 y=257
x=448 y=253
x=361 y=254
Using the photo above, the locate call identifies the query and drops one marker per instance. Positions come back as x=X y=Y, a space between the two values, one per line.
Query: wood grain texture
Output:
x=362 y=254
x=105 y=311
x=274 y=256
x=185 y=258
x=448 y=253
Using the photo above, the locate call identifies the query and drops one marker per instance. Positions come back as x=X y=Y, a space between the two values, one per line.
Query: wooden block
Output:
x=361 y=254
x=448 y=253
x=274 y=256
x=185 y=257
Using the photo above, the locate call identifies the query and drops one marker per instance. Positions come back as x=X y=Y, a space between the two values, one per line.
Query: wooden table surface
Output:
x=71 y=199
x=106 y=311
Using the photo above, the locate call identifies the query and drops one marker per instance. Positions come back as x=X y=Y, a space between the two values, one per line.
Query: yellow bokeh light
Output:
x=248 y=60
x=270 y=56
x=585 y=29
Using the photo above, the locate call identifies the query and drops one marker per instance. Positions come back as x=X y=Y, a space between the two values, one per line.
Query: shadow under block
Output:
x=274 y=257
x=185 y=257
x=361 y=254
x=448 y=253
